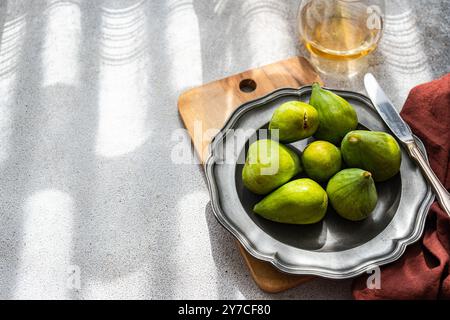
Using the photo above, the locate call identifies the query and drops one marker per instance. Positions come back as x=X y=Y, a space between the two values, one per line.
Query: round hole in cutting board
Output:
x=247 y=85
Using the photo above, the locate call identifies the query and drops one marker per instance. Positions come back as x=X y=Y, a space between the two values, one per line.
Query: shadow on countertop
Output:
x=234 y=279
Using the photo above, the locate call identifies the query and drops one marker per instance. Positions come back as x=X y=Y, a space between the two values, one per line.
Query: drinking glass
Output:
x=340 y=29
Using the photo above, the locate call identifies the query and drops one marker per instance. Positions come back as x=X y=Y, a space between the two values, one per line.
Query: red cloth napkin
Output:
x=423 y=271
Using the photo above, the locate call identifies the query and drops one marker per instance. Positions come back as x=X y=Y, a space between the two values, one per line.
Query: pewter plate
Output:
x=334 y=248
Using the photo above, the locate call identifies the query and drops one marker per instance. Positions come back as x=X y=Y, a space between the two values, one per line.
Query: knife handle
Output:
x=442 y=194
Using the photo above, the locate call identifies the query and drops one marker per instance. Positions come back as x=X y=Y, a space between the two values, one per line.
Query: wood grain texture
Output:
x=204 y=110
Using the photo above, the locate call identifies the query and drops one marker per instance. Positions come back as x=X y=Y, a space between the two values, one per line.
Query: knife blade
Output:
x=387 y=110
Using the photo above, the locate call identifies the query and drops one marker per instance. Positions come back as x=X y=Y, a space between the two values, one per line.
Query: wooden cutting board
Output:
x=204 y=111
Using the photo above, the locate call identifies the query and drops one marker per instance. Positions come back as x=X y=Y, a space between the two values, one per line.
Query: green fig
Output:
x=353 y=194
x=294 y=121
x=268 y=166
x=377 y=152
x=337 y=117
x=300 y=201
x=321 y=160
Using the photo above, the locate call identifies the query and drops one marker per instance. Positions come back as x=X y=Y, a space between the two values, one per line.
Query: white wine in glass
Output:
x=341 y=29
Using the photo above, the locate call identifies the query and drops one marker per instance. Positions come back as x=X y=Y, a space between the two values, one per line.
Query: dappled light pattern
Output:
x=61 y=49
x=183 y=40
x=268 y=30
x=11 y=42
x=403 y=44
x=123 y=36
x=404 y=52
x=10 y=48
x=45 y=256
x=123 y=83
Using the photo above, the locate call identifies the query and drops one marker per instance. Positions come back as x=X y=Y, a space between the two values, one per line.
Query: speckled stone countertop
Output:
x=91 y=205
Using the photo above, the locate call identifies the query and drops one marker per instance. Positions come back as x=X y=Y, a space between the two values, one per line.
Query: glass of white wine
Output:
x=341 y=29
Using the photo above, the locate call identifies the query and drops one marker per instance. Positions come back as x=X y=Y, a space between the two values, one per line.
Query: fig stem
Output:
x=367 y=174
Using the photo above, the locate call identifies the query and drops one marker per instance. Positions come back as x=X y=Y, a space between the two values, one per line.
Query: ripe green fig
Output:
x=294 y=121
x=337 y=117
x=300 y=201
x=268 y=166
x=321 y=160
x=377 y=152
x=353 y=194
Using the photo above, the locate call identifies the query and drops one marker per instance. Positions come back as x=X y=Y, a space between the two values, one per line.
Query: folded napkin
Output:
x=423 y=271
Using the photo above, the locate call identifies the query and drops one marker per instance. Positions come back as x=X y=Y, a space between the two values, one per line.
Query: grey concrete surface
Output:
x=91 y=205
